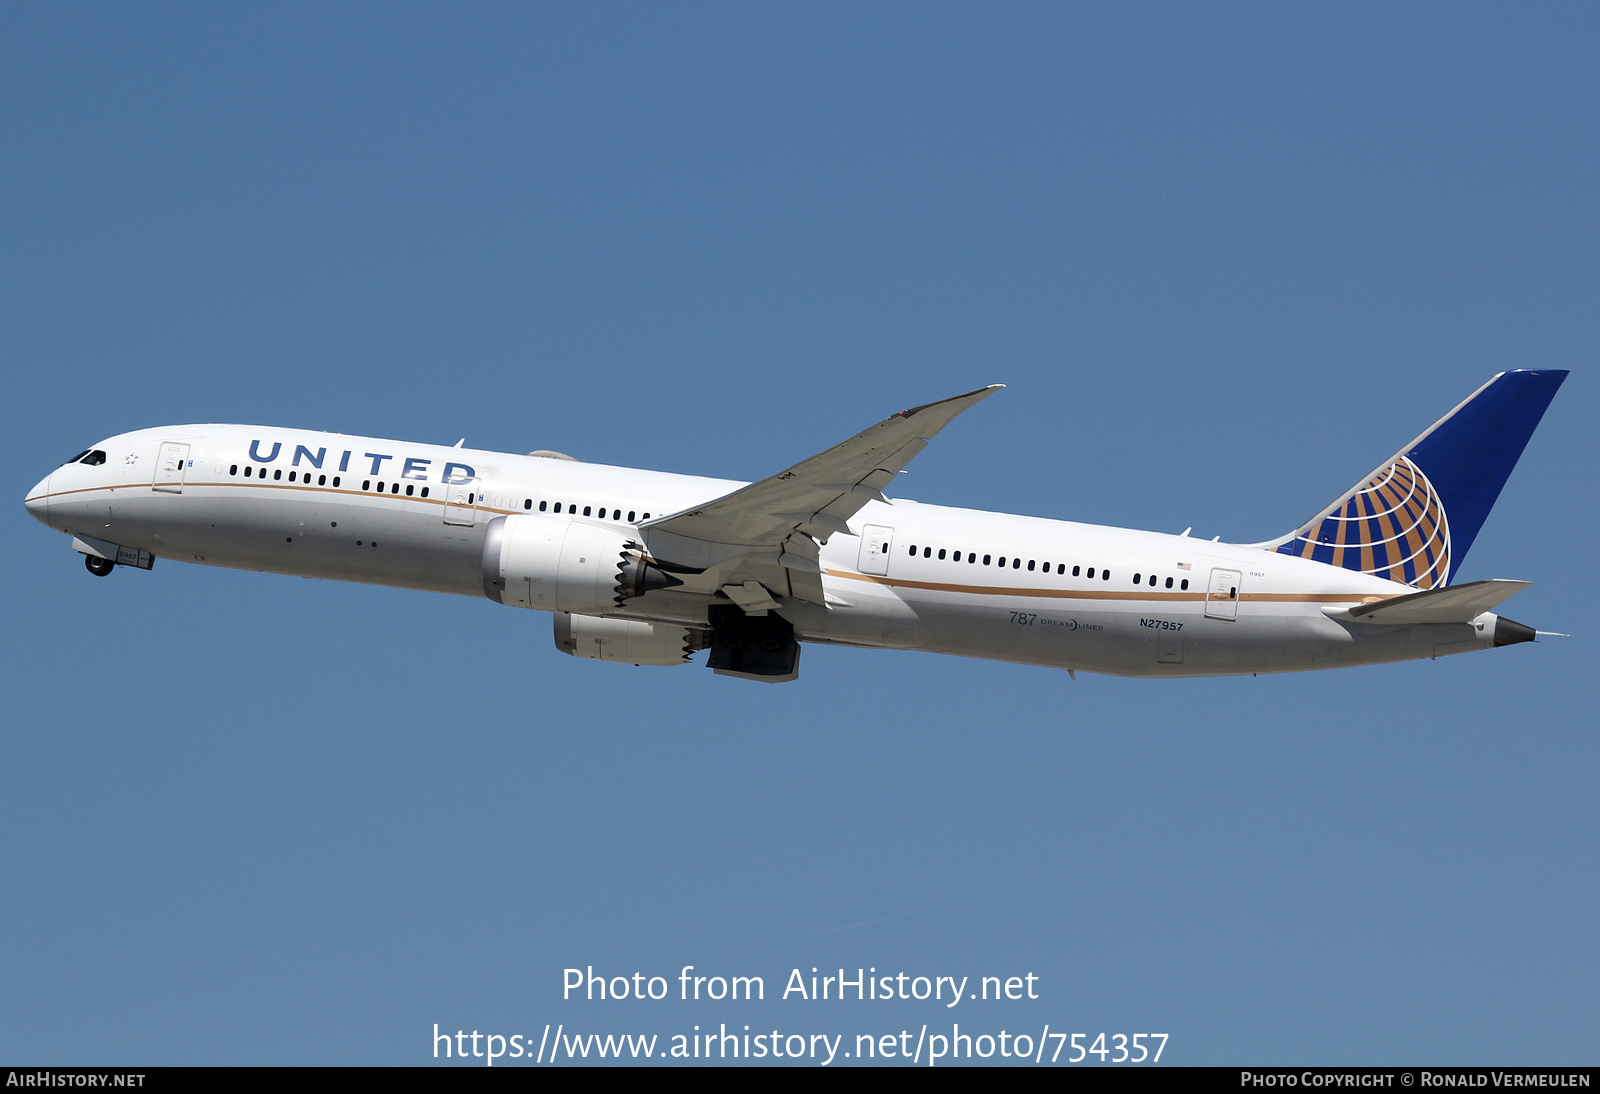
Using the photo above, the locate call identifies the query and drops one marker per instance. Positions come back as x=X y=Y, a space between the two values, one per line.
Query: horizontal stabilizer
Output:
x=1452 y=604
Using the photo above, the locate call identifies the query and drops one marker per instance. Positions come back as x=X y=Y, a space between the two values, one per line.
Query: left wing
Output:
x=784 y=517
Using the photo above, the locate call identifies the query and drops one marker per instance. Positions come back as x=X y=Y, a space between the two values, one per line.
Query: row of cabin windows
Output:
x=394 y=488
x=305 y=477
x=1033 y=564
x=572 y=509
x=412 y=491
x=1015 y=563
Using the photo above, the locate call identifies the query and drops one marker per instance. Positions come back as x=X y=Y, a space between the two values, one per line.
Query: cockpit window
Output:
x=76 y=458
x=94 y=458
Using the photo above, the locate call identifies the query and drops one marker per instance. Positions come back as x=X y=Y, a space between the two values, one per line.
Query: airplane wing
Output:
x=1452 y=604
x=787 y=514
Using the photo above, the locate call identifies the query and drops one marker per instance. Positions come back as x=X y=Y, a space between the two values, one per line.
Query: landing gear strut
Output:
x=98 y=566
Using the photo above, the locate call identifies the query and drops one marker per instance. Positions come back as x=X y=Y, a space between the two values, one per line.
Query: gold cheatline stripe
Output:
x=1085 y=594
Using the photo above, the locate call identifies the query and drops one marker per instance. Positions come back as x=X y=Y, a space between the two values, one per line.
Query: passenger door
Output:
x=171 y=461
x=1222 y=602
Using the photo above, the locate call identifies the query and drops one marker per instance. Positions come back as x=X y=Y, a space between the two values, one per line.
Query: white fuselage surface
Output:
x=896 y=575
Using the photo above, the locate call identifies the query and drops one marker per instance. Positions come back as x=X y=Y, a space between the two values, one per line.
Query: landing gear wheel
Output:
x=98 y=566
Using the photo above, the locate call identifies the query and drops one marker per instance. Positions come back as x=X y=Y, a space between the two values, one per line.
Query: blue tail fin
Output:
x=1414 y=518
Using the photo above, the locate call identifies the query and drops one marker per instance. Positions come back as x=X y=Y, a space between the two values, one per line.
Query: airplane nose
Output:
x=38 y=501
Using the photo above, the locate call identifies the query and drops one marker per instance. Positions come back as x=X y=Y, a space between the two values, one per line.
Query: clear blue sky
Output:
x=1226 y=259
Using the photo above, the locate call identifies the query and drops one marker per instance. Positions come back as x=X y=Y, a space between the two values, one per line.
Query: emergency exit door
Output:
x=876 y=542
x=171 y=461
x=461 y=502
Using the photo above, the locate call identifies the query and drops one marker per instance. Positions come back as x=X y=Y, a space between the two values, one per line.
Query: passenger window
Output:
x=424 y=489
x=972 y=557
x=322 y=480
x=1074 y=571
x=645 y=517
x=941 y=554
x=1137 y=579
x=1105 y=575
x=913 y=550
x=558 y=507
x=1016 y=564
x=1152 y=581
x=986 y=559
x=234 y=469
x=1091 y=571
x=1185 y=584
x=247 y=471
x=278 y=474
x=380 y=486
x=1169 y=583
x=630 y=516
x=1002 y=561
x=336 y=480
x=409 y=489
x=1030 y=565
x=586 y=509
x=291 y=476
x=1061 y=567
x=543 y=505
x=527 y=503
x=927 y=552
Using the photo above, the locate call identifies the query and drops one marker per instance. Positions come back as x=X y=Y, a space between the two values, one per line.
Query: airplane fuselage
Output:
x=906 y=575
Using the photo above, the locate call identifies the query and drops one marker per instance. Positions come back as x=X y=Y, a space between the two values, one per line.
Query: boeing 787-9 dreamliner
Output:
x=647 y=567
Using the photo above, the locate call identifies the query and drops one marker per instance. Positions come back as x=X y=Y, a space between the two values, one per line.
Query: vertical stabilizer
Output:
x=1414 y=518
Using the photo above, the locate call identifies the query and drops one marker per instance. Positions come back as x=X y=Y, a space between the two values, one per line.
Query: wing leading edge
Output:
x=787 y=515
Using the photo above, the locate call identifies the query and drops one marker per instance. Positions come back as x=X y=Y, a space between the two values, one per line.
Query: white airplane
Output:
x=647 y=568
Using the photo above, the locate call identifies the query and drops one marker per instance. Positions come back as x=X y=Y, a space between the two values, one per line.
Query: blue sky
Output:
x=1226 y=259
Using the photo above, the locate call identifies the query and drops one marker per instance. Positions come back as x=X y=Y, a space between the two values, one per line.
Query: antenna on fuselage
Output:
x=459 y=443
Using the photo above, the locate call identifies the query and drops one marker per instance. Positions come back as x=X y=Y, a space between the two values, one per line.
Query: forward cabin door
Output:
x=1222 y=601
x=876 y=542
x=170 y=464
x=461 y=502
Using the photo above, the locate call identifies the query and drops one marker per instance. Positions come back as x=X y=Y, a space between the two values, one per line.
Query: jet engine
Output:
x=629 y=641
x=534 y=561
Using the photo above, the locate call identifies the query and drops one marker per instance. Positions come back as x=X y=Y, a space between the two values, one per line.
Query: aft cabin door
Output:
x=876 y=542
x=461 y=502
x=170 y=464
x=1222 y=602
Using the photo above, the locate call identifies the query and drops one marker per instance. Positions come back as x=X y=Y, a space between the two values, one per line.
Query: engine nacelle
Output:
x=629 y=641
x=534 y=561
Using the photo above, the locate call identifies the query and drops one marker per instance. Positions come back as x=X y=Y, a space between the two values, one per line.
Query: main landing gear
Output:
x=99 y=567
x=756 y=647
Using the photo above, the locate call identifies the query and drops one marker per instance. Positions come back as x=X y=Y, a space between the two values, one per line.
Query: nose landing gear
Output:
x=98 y=566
